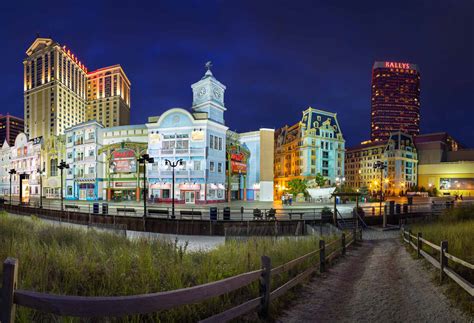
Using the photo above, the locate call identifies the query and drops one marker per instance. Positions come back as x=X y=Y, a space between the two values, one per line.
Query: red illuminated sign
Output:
x=397 y=65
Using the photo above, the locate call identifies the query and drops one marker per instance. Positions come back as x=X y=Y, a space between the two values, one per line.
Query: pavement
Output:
x=377 y=281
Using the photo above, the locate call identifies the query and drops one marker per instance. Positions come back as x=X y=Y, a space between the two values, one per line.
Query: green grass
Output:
x=68 y=261
x=457 y=227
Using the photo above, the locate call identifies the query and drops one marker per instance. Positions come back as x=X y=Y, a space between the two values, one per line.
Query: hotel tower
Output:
x=54 y=89
x=59 y=91
x=395 y=99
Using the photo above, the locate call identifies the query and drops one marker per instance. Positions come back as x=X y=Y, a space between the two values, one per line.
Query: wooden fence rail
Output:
x=442 y=263
x=119 y=306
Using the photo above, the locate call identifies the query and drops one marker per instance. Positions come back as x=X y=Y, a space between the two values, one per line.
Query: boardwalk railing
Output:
x=117 y=306
x=417 y=242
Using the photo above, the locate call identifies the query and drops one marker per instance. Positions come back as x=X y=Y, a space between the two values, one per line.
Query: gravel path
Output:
x=376 y=282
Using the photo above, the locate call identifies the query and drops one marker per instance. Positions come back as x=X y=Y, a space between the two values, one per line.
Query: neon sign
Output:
x=397 y=65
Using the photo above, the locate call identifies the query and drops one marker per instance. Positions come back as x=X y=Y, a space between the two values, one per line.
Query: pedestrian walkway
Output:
x=376 y=282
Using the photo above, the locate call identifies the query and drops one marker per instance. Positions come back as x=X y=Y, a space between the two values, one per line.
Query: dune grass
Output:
x=457 y=227
x=69 y=261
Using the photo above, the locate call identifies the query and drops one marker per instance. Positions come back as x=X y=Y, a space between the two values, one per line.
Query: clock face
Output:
x=202 y=91
x=217 y=92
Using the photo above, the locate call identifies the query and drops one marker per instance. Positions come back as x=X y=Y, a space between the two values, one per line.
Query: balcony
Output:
x=177 y=152
x=178 y=173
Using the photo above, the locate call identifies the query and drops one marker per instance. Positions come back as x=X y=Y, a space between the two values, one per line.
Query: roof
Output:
x=367 y=145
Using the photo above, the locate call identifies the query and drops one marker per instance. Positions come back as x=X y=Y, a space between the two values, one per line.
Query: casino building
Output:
x=395 y=99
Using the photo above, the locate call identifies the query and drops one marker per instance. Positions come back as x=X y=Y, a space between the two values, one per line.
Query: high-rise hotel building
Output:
x=395 y=99
x=59 y=91
x=108 y=96
x=54 y=89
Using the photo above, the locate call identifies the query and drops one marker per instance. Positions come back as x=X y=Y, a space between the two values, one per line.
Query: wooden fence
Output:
x=417 y=243
x=118 y=306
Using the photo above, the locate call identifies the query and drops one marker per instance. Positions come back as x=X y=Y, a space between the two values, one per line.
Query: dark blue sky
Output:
x=275 y=57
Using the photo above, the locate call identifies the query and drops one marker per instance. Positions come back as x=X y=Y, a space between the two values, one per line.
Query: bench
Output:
x=257 y=214
x=69 y=206
x=158 y=211
x=126 y=210
x=271 y=214
x=191 y=213
x=296 y=213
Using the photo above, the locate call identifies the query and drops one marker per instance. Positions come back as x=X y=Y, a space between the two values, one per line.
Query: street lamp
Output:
x=380 y=165
x=62 y=165
x=143 y=160
x=173 y=165
x=11 y=172
x=40 y=173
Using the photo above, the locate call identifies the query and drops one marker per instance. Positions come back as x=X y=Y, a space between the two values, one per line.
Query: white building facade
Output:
x=84 y=178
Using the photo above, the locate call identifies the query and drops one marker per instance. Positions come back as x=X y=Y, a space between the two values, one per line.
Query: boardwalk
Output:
x=377 y=282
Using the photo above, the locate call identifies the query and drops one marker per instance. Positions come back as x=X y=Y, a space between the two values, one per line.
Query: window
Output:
x=69 y=190
x=197 y=165
x=220 y=143
x=211 y=166
x=53 y=167
x=219 y=167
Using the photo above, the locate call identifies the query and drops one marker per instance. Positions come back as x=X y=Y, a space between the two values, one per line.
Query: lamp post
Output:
x=143 y=160
x=173 y=165
x=11 y=172
x=380 y=165
x=62 y=165
x=40 y=173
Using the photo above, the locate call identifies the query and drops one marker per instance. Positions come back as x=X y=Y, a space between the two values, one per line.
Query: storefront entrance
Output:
x=189 y=197
x=124 y=195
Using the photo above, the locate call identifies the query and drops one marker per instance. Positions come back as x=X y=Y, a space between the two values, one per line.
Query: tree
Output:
x=320 y=180
x=296 y=186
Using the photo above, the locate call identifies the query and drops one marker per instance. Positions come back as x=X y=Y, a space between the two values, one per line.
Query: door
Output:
x=189 y=197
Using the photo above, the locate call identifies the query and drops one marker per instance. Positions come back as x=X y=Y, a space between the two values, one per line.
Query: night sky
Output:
x=275 y=57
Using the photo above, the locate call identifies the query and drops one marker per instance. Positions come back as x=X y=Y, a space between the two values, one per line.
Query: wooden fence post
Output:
x=322 y=256
x=10 y=277
x=418 y=244
x=265 y=286
x=343 y=239
x=443 y=261
x=409 y=236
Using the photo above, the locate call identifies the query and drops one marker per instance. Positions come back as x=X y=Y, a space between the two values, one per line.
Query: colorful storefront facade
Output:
x=84 y=178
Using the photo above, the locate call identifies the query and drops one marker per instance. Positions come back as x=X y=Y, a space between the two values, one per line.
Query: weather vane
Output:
x=208 y=65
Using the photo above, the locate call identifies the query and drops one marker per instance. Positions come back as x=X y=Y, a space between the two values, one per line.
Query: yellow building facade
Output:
x=399 y=156
x=449 y=178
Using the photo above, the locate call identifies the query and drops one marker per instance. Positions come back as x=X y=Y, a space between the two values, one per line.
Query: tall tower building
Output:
x=208 y=96
x=108 y=96
x=395 y=99
x=10 y=127
x=54 y=89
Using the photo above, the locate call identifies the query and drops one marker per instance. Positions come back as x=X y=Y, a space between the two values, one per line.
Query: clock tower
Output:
x=208 y=96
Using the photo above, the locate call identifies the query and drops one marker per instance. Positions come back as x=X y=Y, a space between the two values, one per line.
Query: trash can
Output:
x=391 y=207
x=227 y=213
x=398 y=208
x=105 y=208
x=405 y=208
x=213 y=213
x=95 y=208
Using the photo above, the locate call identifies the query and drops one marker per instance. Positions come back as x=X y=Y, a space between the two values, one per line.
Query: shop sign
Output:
x=125 y=184
x=25 y=191
x=190 y=187
x=123 y=161
x=154 y=138
x=238 y=167
x=197 y=135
